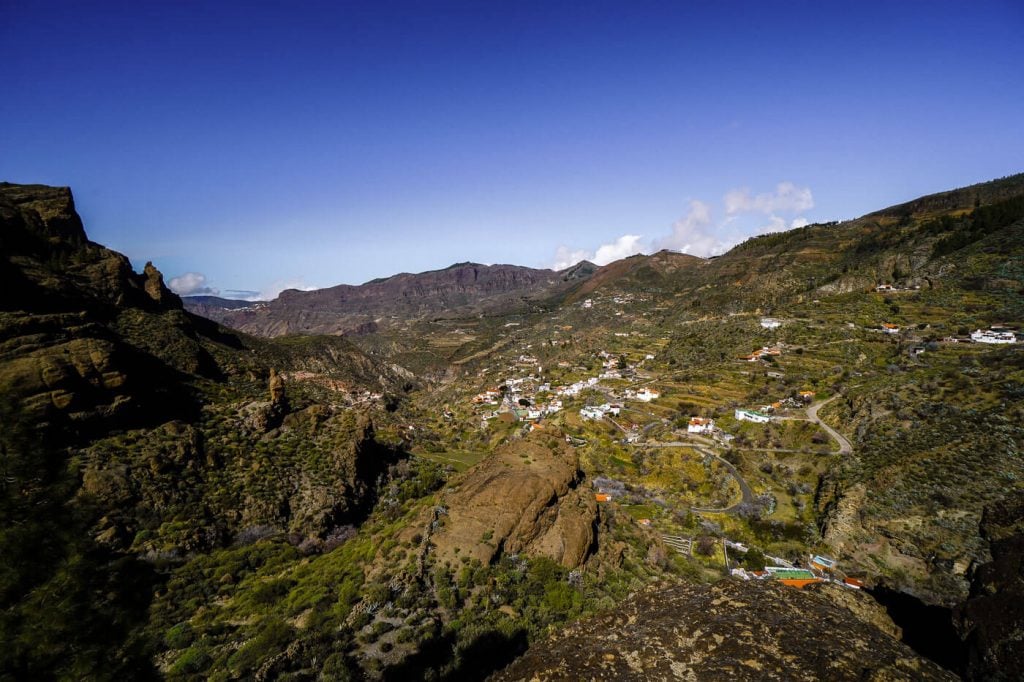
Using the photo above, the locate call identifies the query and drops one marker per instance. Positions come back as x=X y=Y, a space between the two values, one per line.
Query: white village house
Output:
x=700 y=425
x=647 y=395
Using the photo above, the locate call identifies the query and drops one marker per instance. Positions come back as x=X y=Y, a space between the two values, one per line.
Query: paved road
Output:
x=812 y=413
x=748 y=494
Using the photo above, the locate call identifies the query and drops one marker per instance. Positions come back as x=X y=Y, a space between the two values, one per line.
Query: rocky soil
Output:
x=731 y=630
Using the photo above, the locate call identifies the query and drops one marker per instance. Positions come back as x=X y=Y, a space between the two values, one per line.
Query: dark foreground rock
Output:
x=727 y=631
x=992 y=619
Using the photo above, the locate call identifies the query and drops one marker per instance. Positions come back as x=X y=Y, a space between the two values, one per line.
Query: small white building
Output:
x=592 y=413
x=610 y=409
x=992 y=336
x=752 y=416
x=588 y=303
x=700 y=425
x=770 y=323
x=647 y=395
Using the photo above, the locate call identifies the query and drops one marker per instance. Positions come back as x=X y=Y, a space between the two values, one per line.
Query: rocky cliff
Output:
x=135 y=434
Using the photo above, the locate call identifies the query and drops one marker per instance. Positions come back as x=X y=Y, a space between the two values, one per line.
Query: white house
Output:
x=588 y=303
x=700 y=425
x=613 y=409
x=992 y=336
x=591 y=413
x=554 y=406
x=752 y=416
x=770 y=323
x=647 y=395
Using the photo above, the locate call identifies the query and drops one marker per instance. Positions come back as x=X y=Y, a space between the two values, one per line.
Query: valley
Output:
x=492 y=470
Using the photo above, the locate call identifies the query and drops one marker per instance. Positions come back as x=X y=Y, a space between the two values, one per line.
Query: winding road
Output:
x=812 y=413
x=748 y=494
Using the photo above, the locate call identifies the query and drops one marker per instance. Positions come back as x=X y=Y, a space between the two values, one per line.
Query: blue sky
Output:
x=263 y=145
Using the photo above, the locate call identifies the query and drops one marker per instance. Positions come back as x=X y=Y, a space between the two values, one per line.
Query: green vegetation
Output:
x=165 y=515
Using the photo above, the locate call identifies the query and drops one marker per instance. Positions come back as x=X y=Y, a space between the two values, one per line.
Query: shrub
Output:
x=705 y=545
x=193 y=660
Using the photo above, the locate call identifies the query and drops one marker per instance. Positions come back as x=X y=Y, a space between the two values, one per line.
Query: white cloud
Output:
x=778 y=224
x=191 y=284
x=566 y=257
x=786 y=198
x=626 y=245
x=698 y=233
x=695 y=233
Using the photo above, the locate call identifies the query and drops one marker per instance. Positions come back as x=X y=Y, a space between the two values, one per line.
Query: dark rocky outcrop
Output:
x=992 y=619
x=731 y=630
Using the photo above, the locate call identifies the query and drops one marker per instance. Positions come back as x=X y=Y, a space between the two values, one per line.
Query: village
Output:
x=622 y=386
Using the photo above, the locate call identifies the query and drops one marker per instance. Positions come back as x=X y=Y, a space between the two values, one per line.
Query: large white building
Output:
x=770 y=323
x=992 y=336
x=752 y=416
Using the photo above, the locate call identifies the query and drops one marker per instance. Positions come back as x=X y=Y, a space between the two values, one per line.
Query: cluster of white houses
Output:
x=519 y=396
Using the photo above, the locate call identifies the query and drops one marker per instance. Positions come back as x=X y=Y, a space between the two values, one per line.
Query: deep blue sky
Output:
x=265 y=144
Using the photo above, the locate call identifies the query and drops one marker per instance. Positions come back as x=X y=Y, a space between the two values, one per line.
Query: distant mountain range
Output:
x=899 y=243
x=463 y=288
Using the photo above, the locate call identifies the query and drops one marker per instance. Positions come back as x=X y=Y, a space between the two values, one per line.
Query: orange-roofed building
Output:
x=602 y=497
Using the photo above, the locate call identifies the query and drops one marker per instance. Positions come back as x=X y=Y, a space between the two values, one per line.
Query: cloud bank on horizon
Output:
x=195 y=284
x=699 y=233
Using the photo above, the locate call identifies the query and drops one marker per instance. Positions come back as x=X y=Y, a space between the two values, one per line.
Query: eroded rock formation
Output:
x=524 y=499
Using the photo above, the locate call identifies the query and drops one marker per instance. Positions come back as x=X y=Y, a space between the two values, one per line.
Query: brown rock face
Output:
x=731 y=630
x=523 y=499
